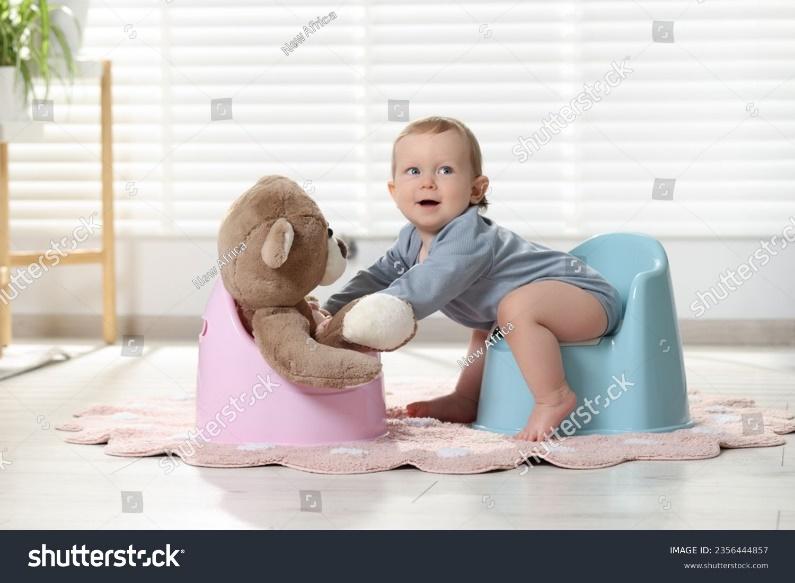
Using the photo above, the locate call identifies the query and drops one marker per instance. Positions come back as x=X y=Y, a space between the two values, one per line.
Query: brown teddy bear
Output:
x=289 y=250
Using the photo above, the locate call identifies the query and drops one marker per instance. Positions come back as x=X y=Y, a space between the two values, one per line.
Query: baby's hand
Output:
x=322 y=325
x=318 y=313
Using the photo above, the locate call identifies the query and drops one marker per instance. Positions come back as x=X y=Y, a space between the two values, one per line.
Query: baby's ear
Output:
x=278 y=243
x=479 y=187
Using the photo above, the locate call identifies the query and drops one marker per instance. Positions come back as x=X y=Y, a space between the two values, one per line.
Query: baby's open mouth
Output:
x=428 y=202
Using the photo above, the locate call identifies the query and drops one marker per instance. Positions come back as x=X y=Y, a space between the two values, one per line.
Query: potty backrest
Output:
x=620 y=257
x=221 y=318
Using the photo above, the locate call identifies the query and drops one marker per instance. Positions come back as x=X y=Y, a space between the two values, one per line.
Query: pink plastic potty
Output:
x=241 y=399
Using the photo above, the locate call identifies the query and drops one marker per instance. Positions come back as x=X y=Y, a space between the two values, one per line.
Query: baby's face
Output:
x=434 y=181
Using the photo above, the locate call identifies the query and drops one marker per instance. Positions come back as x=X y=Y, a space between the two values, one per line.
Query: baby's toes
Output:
x=417 y=409
x=530 y=435
x=522 y=436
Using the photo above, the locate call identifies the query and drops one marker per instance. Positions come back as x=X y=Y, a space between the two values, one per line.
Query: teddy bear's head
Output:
x=287 y=246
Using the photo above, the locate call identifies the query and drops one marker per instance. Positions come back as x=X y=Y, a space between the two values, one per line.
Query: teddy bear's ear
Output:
x=276 y=247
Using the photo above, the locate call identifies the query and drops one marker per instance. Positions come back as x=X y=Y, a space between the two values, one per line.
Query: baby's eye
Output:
x=446 y=170
x=409 y=171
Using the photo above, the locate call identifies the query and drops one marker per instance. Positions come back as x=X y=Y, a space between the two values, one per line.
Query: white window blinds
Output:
x=696 y=139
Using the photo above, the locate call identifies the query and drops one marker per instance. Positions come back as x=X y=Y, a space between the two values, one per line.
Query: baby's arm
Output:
x=459 y=256
x=390 y=322
x=444 y=275
x=367 y=281
x=386 y=320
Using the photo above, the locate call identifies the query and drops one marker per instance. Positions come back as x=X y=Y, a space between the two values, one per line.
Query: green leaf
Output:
x=25 y=71
x=66 y=50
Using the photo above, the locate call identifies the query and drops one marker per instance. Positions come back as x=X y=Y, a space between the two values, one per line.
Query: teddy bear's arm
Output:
x=282 y=335
x=306 y=310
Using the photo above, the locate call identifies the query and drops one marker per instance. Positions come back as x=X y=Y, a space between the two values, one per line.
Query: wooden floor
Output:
x=46 y=483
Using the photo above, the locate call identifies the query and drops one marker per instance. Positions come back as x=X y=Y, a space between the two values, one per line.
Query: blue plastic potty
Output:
x=632 y=380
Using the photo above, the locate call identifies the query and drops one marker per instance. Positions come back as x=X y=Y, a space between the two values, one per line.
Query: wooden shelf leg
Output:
x=5 y=245
x=108 y=231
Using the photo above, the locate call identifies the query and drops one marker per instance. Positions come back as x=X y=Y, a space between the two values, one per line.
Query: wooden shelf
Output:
x=32 y=131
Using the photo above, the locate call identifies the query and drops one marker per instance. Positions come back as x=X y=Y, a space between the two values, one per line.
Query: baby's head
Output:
x=436 y=172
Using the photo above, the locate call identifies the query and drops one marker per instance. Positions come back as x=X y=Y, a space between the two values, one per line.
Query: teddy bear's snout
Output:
x=343 y=248
x=336 y=260
x=340 y=243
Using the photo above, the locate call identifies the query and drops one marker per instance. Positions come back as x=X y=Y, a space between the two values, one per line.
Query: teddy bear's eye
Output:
x=330 y=232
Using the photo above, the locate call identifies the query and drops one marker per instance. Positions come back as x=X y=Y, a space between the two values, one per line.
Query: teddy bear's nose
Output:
x=343 y=248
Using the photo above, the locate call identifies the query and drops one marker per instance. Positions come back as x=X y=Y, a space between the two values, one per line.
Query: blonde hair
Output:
x=436 y=125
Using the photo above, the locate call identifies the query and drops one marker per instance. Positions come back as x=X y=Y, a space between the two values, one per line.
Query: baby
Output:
x=451 y=258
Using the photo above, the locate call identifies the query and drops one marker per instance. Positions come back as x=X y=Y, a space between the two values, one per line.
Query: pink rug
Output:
x=160 y=426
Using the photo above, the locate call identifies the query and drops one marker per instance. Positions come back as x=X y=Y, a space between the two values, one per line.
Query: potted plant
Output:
x=26 y=40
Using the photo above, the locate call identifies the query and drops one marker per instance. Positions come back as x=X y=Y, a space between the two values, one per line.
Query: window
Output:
x=697 y=138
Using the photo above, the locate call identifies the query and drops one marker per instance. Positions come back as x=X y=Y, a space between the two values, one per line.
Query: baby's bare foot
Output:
x=453 y=407
x=547 y=414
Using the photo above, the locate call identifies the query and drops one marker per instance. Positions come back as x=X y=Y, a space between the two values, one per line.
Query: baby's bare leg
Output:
x=460 y=406
x=544 y=314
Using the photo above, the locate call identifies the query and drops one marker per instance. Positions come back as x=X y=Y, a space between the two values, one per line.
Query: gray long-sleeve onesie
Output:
x=471 y=265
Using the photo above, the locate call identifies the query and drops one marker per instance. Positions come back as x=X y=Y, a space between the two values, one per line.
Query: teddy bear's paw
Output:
x=379 y=321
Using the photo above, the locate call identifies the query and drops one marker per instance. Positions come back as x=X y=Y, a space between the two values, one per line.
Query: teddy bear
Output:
x=289 y=250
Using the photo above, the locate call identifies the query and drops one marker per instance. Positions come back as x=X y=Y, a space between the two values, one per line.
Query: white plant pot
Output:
x=72 y=26
x=12 y=95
